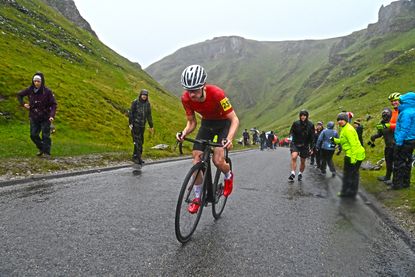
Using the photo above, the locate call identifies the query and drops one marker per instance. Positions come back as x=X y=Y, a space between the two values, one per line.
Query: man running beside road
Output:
x=302 y=133
x=218 y=119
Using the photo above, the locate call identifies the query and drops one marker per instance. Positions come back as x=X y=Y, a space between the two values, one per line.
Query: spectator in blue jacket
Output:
x=326 y=148
x=404 y=142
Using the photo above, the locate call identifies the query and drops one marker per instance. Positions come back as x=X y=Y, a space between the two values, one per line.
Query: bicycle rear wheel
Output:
x=220 y=200
x=185 y=222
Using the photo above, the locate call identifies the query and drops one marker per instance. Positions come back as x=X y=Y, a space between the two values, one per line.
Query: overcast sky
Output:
x=147 y=31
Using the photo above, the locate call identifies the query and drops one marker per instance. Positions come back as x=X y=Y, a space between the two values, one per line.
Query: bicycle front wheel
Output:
x=219 y=203
x=186 y=222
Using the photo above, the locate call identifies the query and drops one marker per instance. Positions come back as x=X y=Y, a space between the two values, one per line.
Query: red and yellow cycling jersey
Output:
x=215 y=107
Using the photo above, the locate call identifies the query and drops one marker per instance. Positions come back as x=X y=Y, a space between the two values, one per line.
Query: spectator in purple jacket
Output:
x=42 y=110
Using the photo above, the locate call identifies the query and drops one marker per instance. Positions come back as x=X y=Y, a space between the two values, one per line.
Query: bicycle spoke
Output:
x=186 y=222
x=220 y=200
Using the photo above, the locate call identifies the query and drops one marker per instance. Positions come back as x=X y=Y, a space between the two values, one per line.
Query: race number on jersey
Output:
x=225 y=104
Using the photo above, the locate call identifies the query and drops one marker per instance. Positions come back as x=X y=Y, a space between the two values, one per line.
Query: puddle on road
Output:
x=40 y=192
x=295 y=192
x=313 y=185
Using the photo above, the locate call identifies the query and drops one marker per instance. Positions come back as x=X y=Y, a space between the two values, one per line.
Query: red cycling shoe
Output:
x=194 y=206
x=227 y=190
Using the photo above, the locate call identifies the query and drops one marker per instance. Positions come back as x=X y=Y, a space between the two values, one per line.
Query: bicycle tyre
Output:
x=219 y=203
x=185 y=222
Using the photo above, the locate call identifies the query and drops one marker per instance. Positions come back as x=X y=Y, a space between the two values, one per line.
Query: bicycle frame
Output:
x=205 y=161
x=212 y=192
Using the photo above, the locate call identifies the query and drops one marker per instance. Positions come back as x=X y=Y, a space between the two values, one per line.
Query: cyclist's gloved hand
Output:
x=180 y=136
x=227 y=143
x=382 y=126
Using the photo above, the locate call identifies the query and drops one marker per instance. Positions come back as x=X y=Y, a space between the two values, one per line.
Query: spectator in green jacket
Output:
x=354 y=155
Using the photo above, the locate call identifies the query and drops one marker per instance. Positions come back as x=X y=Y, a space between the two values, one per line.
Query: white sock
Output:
x=227 y=175
x=197 y=189
x=293 y=172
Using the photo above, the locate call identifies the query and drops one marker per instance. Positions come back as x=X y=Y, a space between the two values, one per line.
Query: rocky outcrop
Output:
x=399 y=16
x=68 y=9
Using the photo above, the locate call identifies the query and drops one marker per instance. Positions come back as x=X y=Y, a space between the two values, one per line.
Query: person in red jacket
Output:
x=394 y=99
x=42 y=109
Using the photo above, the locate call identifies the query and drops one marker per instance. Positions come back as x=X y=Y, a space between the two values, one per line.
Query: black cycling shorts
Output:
x=303 y=150
x=210 y=128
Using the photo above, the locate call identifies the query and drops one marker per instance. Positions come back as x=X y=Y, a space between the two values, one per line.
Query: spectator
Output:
x=42 y=109
x=384 y=130
x=270 y=140
x=404 y=142
x=245 y=136
x=140 y=113
x=263 y=140
x=354 y=155
x=255 y=136
x=359 y=130
x=316 y=154
x=326 y=148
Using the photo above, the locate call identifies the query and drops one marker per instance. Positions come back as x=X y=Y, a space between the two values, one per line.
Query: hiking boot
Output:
x=47 y=156
x=194 y=206
x=227 y=189
x=291 y=178
x=333 y=174
x=383 y=178
x=39 y=154
x=346 y=195
x=323 y=172
x=136 y=160
x=300 y=177
x=394 y=187
x=388 y=182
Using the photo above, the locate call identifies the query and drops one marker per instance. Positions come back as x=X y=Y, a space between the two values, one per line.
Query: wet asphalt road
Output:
x=118 y=223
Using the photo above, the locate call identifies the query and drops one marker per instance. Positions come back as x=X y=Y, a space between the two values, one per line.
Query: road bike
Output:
x=212 y=192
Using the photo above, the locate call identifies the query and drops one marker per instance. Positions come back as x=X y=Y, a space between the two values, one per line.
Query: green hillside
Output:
x=93 y=85
x=269 y=82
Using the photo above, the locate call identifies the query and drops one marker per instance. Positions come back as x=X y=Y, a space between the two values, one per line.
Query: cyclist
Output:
x=302 y=133
x=218 y=119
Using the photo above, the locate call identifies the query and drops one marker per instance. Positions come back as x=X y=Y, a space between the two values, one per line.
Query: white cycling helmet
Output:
x=193 y=77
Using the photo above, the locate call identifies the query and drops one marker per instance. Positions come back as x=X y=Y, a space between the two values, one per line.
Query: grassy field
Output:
x=92 y=84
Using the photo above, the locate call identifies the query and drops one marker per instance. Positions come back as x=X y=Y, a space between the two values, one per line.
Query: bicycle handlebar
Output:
x=205 y=142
